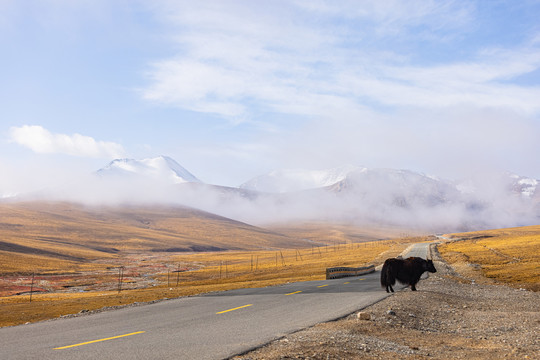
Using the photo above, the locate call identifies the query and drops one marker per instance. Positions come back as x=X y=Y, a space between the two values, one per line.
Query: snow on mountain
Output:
x=503 y=183
x=398 y=187
x=161 y=168
x=407 y=185
x=291 y=180
x=527 y=187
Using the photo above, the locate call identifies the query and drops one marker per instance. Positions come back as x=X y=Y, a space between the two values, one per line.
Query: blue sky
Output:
x=235 y=89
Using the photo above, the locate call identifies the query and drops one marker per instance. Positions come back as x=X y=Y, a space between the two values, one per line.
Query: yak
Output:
x=406 y=271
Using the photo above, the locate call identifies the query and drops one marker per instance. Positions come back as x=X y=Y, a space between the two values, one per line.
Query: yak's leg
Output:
x=413 y=287
x=389 y=286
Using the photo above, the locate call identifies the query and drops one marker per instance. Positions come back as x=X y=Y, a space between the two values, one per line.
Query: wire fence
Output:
x=174 y=270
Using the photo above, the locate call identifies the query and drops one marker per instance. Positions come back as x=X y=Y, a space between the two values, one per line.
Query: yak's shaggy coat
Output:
x=406 y=271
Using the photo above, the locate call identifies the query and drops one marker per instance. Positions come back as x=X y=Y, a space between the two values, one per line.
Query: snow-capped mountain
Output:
x=404 y=183
x=353 y=179
x=161 y=168
x=398 y=187
x=291 y=180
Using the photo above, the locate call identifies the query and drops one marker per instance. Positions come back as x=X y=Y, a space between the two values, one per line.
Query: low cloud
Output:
x=378 y=197
x=42 y=141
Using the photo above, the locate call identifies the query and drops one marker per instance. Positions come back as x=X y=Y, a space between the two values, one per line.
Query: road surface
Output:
x=212 y=326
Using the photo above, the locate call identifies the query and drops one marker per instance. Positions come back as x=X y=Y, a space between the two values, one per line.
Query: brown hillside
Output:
x=65 y=233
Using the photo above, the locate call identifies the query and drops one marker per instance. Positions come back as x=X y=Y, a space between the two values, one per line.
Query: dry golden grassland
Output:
x=72 y=232
x=52 y=237
x=279 y=266
x=16 y=263
x=90 y=244
x=510 y=256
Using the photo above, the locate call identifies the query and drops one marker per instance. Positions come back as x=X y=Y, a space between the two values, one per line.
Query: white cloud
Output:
x=375 y=83
x=322 y=58
x=396 y=16
x=41 y=140
x=197 y=87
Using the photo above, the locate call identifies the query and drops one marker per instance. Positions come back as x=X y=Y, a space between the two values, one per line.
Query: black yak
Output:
x=406 y=271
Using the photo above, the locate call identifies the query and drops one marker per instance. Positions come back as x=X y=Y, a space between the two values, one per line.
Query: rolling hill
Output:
x=70 y=234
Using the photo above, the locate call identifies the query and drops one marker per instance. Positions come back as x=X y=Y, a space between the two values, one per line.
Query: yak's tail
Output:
x=387 y=275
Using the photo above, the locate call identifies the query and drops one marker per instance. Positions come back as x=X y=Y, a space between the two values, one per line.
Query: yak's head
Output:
x=428 y=266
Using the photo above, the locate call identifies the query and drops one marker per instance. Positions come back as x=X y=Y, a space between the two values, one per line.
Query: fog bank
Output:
x=378 y=197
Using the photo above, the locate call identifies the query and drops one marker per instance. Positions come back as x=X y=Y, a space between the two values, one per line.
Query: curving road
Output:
x=212 y=326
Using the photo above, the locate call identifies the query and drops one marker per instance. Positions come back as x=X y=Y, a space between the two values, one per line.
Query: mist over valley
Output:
x=347 y=194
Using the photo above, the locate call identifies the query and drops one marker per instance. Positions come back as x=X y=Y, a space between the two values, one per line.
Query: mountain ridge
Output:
x=162 y=168
x=290 y=180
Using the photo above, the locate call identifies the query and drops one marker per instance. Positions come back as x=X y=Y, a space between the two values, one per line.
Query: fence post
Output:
x=32 y=286
x=120 y=278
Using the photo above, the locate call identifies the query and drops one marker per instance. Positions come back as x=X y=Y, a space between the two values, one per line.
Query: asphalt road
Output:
x=212 y=326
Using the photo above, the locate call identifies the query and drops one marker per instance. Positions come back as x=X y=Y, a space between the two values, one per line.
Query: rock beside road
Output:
x=449 y=317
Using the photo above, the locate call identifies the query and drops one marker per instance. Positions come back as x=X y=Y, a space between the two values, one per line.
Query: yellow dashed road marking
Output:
x=236 y=308
x=296 y=292
x=95 y=341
